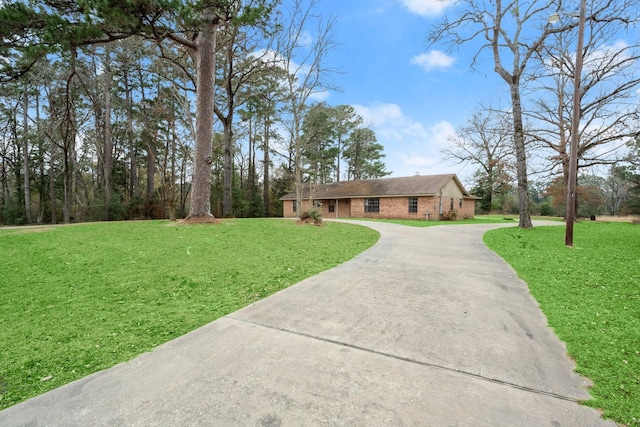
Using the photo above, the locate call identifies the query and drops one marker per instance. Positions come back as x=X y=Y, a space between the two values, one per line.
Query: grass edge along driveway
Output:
x=78 y=299
x=590 y=295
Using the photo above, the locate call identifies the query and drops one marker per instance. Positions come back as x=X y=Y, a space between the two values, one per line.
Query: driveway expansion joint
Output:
x=407 y=359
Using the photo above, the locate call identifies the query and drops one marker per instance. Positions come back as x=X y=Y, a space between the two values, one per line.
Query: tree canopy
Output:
x=154 y=108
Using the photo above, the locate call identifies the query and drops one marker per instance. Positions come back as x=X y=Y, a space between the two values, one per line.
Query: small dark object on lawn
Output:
x=507 y=219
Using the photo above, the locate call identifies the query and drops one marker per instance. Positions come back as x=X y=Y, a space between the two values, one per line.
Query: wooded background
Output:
x=119 y=109
x=98 y=115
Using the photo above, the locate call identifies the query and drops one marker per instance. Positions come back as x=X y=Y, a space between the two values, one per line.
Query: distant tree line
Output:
x=613 y=188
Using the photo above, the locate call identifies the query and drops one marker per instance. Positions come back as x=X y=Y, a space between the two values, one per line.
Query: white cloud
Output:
x=442 y=133
x=602 y=56
x=618 y=49
x=379 y=114
x=410 y=146
x=426 y=7
x=306 y=39
x=433 y=60
x=319 y=96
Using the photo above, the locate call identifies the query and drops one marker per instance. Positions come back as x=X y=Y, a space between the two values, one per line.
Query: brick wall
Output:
x=398 y=208
x=468 y=209
x=287 y=208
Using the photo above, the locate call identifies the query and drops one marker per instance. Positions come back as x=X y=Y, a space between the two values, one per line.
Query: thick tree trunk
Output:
x=489 y=193
x=521 y=158
x=205 y=68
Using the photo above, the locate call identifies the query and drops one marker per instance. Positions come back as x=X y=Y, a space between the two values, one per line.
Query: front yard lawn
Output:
x=78 y=299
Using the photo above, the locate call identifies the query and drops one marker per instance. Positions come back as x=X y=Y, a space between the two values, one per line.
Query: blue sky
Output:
x=413 y=97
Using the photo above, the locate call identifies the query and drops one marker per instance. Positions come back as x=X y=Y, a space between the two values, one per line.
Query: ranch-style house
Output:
x=425 y=197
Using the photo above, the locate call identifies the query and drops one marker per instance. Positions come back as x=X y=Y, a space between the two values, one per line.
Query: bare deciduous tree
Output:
x=306 y=72
x=512 y=33
x=486 y=141
x=609 y=111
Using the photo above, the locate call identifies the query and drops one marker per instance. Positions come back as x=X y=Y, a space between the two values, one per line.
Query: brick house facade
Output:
x=415 y=197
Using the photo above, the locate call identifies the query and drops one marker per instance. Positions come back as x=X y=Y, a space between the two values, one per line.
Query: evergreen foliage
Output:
x=102 y=96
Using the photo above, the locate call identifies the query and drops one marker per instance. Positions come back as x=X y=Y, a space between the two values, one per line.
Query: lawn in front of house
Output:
x=78 y=299
x=590 y=295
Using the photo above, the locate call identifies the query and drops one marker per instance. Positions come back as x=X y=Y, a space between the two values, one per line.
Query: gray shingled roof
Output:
x=418 y=185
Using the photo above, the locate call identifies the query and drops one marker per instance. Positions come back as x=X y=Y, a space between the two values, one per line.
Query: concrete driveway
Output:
x=426 y=328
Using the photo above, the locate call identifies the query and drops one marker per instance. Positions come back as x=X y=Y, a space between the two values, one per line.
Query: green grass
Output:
x=78 y=299
x=591 y=297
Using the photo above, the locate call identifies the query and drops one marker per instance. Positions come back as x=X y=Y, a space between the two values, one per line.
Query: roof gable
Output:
x=418 y=185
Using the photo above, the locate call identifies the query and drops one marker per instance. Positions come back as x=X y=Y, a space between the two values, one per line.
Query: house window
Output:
x=332 y=206
x=413 y=205
x=451 y=205
x=460 y=204
x=372 y=205
x=295 y=206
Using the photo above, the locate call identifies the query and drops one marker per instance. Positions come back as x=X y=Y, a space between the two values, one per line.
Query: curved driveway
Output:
x=426 y=328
